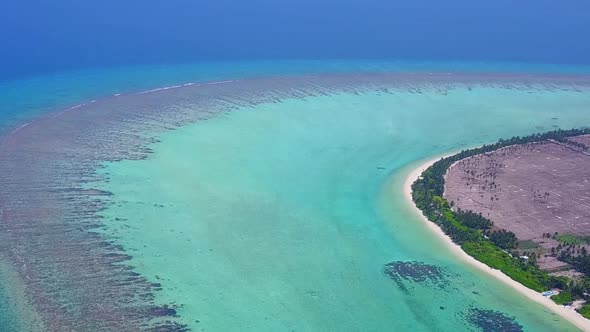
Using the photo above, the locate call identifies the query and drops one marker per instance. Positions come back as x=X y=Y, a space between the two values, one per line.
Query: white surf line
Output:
x=69 y=109
x=159 y=89
x=219 y=82
x=19 y=128
x=184 y=85
x=118 y=94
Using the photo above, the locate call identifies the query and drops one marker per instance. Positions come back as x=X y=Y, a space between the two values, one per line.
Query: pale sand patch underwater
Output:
x=570 y=314
x=16 y=312
x=271 y=217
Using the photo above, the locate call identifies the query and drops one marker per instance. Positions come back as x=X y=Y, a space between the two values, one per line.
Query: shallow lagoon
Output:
x=282 y=216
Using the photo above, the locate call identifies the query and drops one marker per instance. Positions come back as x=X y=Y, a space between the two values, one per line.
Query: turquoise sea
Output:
x=281 y=216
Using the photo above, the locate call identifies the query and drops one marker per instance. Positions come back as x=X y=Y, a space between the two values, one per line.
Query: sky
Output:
x=38 y=36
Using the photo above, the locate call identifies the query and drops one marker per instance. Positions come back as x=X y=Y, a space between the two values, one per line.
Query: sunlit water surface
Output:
x=281 y=217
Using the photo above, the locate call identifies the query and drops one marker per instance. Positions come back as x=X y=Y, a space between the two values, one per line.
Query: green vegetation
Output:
x=572 y=250
x=519 y=270
x=527 y=245
x=473 y=231
x=562 y=298
x=570 y=239
x=585 y=311
x=473 y=220
x=503 y=239
x=578 y=257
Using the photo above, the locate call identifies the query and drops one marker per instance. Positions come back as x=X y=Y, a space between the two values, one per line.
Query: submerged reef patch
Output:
x=409 y=274
x=492 y=321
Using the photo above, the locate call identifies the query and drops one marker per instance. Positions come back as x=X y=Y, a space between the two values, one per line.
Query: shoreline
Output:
x=570 y=315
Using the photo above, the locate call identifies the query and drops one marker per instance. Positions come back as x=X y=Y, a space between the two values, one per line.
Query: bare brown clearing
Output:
x=531 y=190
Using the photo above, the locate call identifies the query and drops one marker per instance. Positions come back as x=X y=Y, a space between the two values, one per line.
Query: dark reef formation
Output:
x=408 y=274
x=79 y=281
x=492 y=321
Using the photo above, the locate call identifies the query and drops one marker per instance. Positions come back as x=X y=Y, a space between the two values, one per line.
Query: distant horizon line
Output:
x=412 y=63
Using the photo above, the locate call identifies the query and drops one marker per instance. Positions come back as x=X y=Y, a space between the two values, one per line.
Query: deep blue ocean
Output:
x=40 y=36
x=56 y=53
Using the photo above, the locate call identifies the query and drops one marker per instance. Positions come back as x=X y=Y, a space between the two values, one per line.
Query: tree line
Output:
x=475 y=233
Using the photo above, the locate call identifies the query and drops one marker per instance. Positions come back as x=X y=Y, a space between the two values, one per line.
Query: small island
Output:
x=521 y=206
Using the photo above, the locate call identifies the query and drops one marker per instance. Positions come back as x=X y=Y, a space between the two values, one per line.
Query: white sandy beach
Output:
x=569 y=314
